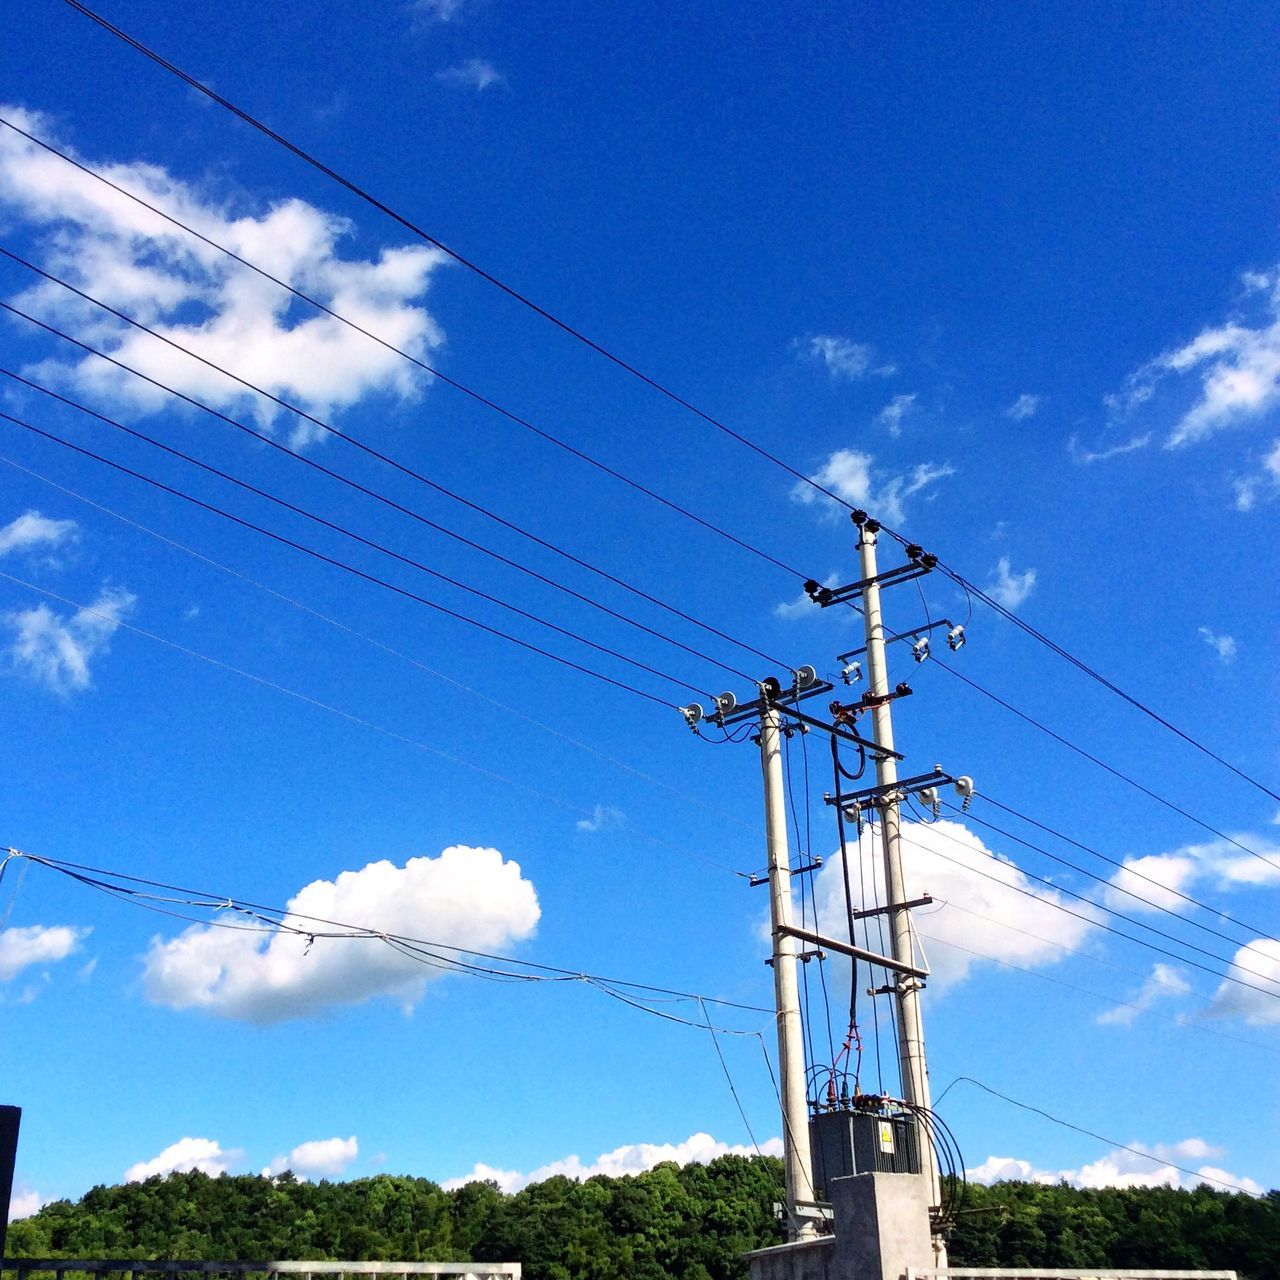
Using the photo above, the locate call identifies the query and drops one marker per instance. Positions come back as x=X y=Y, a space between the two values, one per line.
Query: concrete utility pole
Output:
x=911 y=1060
x=791 y=1064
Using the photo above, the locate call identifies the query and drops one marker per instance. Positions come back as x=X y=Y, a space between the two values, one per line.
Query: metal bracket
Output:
x=869 y=797
x=912 y=634
x=857 y=953
x=825 y=597
x=923 y=901
x=754 y=882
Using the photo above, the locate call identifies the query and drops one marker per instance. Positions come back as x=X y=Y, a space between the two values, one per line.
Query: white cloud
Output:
x=466 y=897
x=1257 y=964
x=1144 y=1166
x=56 y=649
x=850 y=474
x=633 y=1158
x=474 y=73
x=1223 y=646
x=989 y=910
x=321 y=1158
x=1264 y=483
x=1238 y=365
x=25 y=1202
x=1088 y=456
x=31 y=531
x=20 y=948
x=184 y=1155
x=1024 y=407
x=1009 y=588
x=1165 y=981
x=115 y=250
x=895 y=411
x=1154 y=881
x=603 y=817
x=844 y=359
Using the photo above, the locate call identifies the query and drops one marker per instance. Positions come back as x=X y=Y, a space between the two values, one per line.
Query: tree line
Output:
x=670 y=1223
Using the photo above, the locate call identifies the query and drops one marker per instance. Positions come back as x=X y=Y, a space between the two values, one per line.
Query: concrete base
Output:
x=881 y=1230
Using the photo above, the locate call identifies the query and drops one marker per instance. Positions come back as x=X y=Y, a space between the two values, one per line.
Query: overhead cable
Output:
x=653 y=383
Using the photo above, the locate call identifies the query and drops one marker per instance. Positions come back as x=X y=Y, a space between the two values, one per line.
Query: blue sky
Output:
x=1008 y=279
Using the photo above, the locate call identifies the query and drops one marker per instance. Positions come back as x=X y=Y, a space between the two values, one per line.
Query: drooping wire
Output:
x=653 y=383
x=341 y=478
x=1088 y=1133
x=479 y=398
x=1102 y=764
x=351 y=569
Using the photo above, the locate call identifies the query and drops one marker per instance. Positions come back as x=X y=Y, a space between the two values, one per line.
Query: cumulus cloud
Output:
x=851 y=475
x=844 y=359
x=1143 y=1166
x=1237 y=363
x=203 y=1154
x=633 y=1158
x=56 y=649
x=20 y=948
x=1024 y=407
x=895 y=411
x=25 y=1202
x=321 y=1158
x=1158 y=881
x=117 y=251
x=1009 y=588
x=1165 y=981
x=987 y=909
x=1223 y=646
x=602 y=817
x=466 y=897
x=1258 y=1003
x=474 y=73
x=32 y=532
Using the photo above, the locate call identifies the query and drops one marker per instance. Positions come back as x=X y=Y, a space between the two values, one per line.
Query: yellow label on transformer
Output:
x=886 y=1136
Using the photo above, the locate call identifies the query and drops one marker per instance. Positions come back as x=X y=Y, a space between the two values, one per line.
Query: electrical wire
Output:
x=361 y=574
x=1088 y=1133
x=1102 y=764
x=505 y=707
x=478 y=397
x=1107 y=999
x=285 y=920
x=1095 y=923
x=654 y=384
x=334 y=527
x=355 y=443
x=1112 y=885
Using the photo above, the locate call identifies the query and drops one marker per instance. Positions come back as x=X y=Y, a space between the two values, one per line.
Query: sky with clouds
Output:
x=273 y=628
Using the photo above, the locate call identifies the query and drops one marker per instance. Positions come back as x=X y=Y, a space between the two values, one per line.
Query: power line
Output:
x=463 y=261
x=1177 y=893
x=384 y=458
x=350 y=717
x=1097 y=1137
x=341 y=529
x=283 y=919
x=1111 y=884
x=504 y=707
x=645 y=378
x=338 y=564
x=1093 y=922
x=454 y=383
x=1102 y=764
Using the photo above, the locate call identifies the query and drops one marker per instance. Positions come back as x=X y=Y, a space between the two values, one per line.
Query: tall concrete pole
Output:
x=791 y=1065
x=911 y=1062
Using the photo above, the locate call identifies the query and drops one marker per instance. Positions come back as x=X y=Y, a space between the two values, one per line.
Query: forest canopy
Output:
x=688 y=1223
